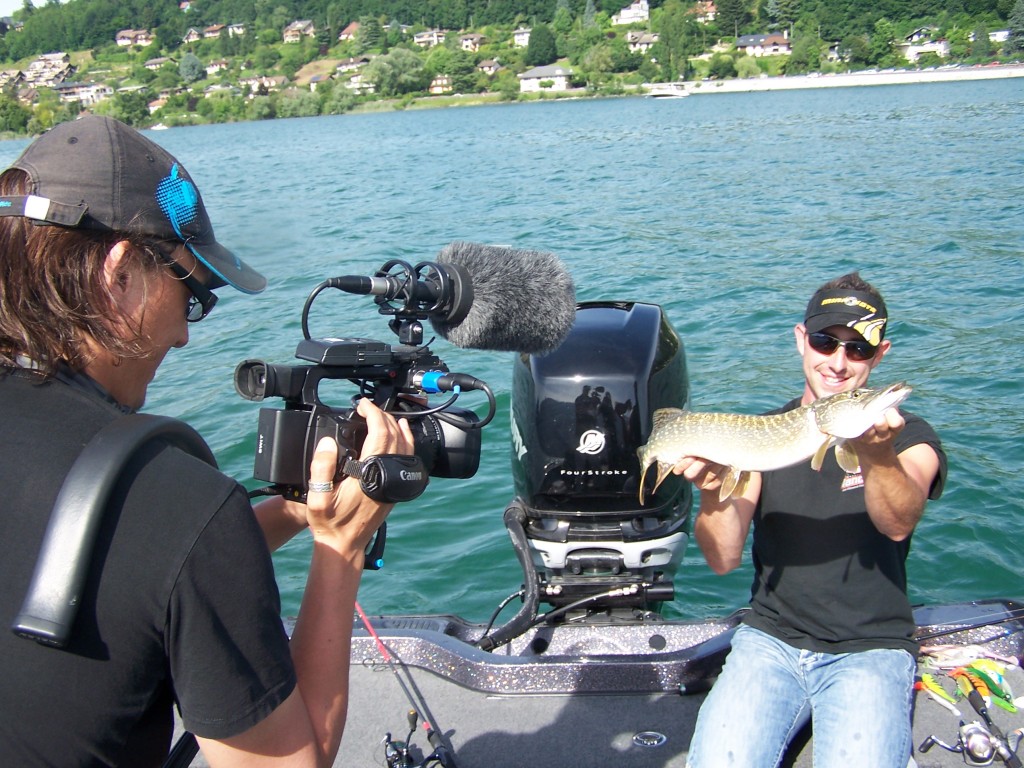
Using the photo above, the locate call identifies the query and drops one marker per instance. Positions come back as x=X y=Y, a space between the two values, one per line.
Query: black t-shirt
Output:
x=825 y=579
x=180 y=604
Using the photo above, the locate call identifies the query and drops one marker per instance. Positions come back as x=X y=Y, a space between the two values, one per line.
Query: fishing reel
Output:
x=399 y=754
x=974 y=742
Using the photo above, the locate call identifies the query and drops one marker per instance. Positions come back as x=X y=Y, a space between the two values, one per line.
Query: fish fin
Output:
x=846 y=455
x=733 y=483
x=819 y=455
x=663 y=415
x=663 y=471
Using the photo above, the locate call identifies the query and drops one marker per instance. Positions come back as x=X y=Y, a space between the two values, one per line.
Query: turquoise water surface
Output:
x=728 y=210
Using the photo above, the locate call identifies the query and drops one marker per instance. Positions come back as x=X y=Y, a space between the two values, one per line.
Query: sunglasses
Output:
x=825 y=344
x=202 y=301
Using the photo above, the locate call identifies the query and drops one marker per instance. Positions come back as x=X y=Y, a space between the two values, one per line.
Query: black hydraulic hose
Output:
x=515 y=522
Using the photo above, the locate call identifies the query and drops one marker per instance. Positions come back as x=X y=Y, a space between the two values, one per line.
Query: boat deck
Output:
x=591 y=696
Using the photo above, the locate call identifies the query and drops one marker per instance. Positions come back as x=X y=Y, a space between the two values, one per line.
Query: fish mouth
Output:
x=889 y=397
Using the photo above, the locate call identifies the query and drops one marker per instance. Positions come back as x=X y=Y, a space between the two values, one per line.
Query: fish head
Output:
x=850 y=414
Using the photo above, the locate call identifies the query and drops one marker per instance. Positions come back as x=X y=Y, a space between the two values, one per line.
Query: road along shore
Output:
x=853 y=79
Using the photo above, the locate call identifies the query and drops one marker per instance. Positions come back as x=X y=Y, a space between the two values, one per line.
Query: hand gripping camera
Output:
x=398 y=379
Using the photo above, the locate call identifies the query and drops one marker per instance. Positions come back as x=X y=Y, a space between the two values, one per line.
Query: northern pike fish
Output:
x=748 y=444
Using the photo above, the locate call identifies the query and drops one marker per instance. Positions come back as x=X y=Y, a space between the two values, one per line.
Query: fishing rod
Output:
x=976 y=623
x=398 y=756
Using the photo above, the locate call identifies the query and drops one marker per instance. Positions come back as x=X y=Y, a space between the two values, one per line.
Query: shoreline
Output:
x=849 y=79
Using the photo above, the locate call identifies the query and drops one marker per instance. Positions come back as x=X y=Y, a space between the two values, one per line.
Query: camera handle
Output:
x=375 y=553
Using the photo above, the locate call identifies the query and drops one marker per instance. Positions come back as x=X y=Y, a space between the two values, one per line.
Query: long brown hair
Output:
x=53 y=293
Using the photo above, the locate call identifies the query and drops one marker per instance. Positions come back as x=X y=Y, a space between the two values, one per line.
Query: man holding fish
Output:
x=829 y=637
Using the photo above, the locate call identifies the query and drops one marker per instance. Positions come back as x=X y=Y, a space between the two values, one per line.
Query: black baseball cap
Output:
x=863 y=312
x=98 y=173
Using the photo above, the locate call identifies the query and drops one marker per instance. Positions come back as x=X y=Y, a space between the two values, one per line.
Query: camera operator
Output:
x=106 y=254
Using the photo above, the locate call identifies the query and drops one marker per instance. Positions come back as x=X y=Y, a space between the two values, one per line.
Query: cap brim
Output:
x=227 y=268
x=832 y=320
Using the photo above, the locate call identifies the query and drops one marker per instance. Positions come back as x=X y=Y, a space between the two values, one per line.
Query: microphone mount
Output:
x=410 y=294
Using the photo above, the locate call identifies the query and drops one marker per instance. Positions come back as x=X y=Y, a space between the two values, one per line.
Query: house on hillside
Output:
x=429 y=38
x=921 y=33
x=640 y=42
x=295 y=31
x=220 y=65
x=774 y=44
x=521 y=37
x=192 y=35
x=471 y=42
x=639 y=11
x=549 y=78
x=12 y=79
x=704 y=12
x=913 y=51
x=489 y=66
x=359 y=84
x=49 y=69
x=86 y=94
x=440 y=85
x=349 y=32
x=316 y=80
x=214 y=31
x=141 y=37
x=236 y=30
x=351 y=64
x=154 y=64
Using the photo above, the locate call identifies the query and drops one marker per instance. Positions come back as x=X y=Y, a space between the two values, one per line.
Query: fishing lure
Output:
x=931 y=684
x=999 y=696
x=942 y=702
x=962 y=676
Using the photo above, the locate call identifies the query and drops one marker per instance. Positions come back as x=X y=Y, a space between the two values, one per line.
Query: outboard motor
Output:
x=579 y=414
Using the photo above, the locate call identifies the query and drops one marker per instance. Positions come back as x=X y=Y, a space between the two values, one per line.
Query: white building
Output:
x=549 y=78
x=638 y=12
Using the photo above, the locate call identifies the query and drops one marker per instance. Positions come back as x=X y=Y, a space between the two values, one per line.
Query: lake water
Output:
x=728 y=210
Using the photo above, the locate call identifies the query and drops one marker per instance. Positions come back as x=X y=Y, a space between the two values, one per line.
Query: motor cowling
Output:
x=579 y=414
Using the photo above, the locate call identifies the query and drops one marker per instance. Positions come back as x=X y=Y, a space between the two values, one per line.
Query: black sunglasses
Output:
x=825 y=344
x=203 y=300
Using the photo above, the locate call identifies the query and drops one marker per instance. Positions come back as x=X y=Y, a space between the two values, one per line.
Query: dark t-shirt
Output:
x=180 y=604
x=825 y=579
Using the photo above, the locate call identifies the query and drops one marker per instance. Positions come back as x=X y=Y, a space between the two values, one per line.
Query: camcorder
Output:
x=397 y=378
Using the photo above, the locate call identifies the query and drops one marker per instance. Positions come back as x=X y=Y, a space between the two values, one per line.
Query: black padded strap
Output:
x=49 y=610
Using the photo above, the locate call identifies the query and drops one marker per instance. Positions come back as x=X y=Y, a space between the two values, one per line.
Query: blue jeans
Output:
x=860 y=704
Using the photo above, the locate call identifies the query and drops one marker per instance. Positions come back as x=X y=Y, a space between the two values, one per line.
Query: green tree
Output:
x=597 y=64
x=190 y=68
x=746 y=67
x=855 y=50
x=981 y=47
x=562 y=22
x=131 y=107
x=882 y=48
x=541 y=49
x=732 y=16
x=805 y=56
x=1015 y=24
x=678 y=39
x=396 y=73
x=722 y=66
x=370 y=36
x=13 y=116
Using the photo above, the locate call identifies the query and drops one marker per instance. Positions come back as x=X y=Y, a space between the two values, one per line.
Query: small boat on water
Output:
x=588 y=673
x=667 y=91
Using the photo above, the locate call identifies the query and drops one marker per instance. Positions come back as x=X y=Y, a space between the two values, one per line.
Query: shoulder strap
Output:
x=51 y=604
